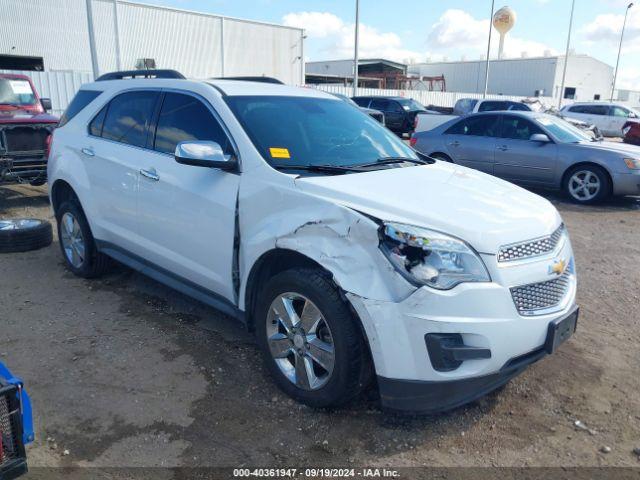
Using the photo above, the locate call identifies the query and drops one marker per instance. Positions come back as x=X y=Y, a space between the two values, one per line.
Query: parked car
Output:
x=375 y=114
x=537 y=106
x=426 y=121
x=16 y=425
x=537 y=150
x=347 y=253
x=399 y=112
x=610 y=118
x=631 y=131
x=25 y=130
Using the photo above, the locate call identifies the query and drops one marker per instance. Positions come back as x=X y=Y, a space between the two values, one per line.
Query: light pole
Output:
x=624 y=24
x=355 y=52
x=486 y=69
x=566 y=57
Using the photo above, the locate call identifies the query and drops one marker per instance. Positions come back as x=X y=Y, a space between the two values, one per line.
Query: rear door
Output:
x=113 y=155
x=521 y=160
x=186 y=214
x=471 y=141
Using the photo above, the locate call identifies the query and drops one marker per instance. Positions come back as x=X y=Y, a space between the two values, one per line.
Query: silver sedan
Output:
x=536 y=150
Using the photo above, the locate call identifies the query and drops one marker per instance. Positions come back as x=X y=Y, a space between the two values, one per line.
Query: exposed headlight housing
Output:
x=428 y=257
x=632 y=163
x=626 y=129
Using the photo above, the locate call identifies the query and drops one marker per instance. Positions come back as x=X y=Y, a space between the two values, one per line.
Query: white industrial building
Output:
x=57 y=35
x=587 y=78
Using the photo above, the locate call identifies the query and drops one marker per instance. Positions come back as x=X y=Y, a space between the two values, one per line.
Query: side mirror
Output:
x=204 y=154
x=46 y=104
x=540 y=137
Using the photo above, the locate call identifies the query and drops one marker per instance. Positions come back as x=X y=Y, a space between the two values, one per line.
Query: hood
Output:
x=618 y=147
x=25 y=116
x=481 y=209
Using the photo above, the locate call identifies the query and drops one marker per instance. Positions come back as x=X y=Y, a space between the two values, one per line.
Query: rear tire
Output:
x=587 y=184
x=77 y=243
x=344 y=369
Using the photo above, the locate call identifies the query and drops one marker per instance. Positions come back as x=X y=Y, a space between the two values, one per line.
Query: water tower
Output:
x=503 y=21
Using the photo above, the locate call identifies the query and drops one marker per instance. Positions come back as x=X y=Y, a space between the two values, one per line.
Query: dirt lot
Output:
x=125 y=372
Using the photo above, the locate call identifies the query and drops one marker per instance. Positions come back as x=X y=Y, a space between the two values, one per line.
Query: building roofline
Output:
x=550 y=57
x=361 y=61
x=205 y=14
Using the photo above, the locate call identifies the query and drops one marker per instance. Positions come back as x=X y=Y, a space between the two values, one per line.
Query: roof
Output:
x=365 y=61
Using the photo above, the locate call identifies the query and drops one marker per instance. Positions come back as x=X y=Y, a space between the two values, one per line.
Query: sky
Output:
x=432 y=30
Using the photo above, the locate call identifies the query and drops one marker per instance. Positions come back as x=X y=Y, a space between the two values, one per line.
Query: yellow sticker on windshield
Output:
x=279 y=152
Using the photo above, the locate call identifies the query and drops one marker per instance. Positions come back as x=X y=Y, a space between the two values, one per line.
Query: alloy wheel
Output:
x=300 y=341
x=73 y=242
x=584 y=185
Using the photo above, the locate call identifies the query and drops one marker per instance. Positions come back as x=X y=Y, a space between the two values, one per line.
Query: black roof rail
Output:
x=254 y=79
x=140 y=74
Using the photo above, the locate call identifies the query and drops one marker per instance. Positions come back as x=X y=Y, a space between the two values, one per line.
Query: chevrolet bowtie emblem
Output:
x=558 y=267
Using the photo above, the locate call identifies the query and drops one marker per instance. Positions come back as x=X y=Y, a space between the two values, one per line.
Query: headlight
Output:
x=632 y=163
x=427 y=257
x=626 y=130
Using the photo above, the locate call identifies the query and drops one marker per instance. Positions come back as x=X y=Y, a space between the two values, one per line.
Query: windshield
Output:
x=562 y=130
x=307 y=131
x=16 y=92
x=410 y=104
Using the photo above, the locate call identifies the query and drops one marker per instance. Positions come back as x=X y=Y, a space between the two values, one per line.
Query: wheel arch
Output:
x=443 y=154
x=587 y=163
x=61 y=190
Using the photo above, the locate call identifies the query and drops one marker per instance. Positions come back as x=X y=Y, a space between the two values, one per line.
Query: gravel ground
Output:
x=125 y=372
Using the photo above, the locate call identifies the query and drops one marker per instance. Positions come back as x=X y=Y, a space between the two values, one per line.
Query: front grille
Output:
x=532 y=248
x=25 y=139
x=541 y=297
x=10 y=445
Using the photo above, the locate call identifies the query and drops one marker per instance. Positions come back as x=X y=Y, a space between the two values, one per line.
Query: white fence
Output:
x=60 y=87
x=440 y=99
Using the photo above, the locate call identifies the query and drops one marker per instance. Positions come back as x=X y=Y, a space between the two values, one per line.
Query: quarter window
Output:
x=128 y=116
x=518 y=128
x=380 y=104
x=183 y=118
x=95 y=127
x=81 y=100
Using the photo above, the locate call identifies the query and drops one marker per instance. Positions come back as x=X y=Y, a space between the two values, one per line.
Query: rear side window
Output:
x=491 y=106
x=183 y=118
x=518 y=107
x=128 y=118
x=81 y=100
x=95 y=127
x=380 y=104
x=480 y=126
x=591 y=109
x=362 y=101
x=464 y=105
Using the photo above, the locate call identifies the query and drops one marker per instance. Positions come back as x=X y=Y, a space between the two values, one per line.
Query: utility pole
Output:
x=355 y=53
x=615 y=75
x=566 y=56
x=92 y=40
x=486 y=70
x=116 y=31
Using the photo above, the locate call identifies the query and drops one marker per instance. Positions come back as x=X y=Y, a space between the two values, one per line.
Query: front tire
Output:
x=587 y=184
x=77 y=243
x=311 y=344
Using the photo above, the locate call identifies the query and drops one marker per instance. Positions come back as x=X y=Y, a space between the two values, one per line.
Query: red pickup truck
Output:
x=25 y=131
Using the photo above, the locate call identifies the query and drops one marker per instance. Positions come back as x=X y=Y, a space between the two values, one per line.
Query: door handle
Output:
x=88 y=152
x=150 y=174
x=503 y=148
x=455 y=144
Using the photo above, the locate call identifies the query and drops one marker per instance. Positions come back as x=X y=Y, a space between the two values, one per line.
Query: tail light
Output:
x=413 y=141
x=47 y=144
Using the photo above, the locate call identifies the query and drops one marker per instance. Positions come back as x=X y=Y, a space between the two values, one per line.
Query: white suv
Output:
x=351 y=257
x=610 y=118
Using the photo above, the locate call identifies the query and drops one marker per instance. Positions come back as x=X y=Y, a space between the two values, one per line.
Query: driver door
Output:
x=186 y=214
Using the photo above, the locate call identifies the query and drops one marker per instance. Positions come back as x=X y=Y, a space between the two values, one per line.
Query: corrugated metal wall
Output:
x=186 y=41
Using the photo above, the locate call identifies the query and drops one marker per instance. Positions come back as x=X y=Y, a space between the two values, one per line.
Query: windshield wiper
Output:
x=392 y=160
x=320 y=168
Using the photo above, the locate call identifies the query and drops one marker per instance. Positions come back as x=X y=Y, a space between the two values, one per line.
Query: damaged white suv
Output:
x=355 y=261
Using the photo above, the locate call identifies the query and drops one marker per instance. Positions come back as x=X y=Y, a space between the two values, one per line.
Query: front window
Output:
x=562 y=130
x=306 y=131
x=16 y=92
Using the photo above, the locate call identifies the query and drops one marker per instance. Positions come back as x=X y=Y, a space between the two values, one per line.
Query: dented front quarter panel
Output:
x=276 y=214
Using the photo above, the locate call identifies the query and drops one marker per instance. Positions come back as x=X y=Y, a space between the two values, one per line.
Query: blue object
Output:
x=7 y=378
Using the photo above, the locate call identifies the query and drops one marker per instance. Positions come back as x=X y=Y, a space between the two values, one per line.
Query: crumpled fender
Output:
x=342 y=240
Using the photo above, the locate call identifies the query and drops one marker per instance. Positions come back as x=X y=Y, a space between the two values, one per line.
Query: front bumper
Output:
x=626 y=183
x=482 y=316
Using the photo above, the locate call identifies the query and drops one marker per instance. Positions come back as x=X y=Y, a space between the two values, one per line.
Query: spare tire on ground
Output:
x=24 y=234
